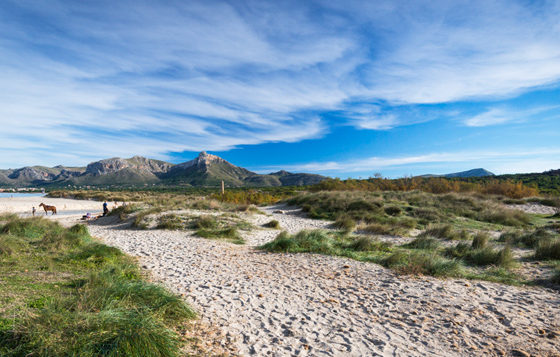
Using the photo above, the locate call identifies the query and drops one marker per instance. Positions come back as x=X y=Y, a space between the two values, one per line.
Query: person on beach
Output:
x=33 y=210
x=105 y=209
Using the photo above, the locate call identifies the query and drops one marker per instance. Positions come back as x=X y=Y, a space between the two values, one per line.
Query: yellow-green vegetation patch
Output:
x=397 y=213
x=475 y=257
x=220 y=227
x=64 y=294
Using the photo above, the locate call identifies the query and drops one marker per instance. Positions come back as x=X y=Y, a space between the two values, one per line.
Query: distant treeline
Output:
x=508 y=188
x=548 y=183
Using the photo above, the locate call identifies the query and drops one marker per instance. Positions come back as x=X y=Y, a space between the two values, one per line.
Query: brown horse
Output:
x=48 y=208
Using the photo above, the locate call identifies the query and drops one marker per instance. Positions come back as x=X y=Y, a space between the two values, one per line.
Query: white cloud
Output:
x=503 y=115
x=491 y=117
x=81 y=80
x=505 y=161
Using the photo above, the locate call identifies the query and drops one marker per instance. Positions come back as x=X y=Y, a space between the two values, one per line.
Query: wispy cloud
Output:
x=84 y=80
x=503 y=115
x=500 y=161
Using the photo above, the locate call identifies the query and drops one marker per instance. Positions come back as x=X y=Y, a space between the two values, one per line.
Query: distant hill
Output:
x=464 y=174
x=204 y=170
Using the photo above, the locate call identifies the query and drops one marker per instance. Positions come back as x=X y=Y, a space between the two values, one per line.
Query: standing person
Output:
x=33 y=210
x=105 y=209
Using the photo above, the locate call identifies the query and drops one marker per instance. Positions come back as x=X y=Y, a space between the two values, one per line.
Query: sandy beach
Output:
x=314 y=305
x=23 y=205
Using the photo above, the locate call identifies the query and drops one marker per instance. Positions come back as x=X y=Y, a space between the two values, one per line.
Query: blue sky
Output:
x=342 y=88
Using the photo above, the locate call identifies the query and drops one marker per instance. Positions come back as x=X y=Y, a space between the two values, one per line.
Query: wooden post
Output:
x=223 y=190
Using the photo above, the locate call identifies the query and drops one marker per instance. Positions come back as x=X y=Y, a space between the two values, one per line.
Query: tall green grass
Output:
x=95 y=302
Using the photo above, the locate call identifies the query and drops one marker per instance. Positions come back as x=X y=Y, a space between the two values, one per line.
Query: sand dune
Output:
x=306 y=304
x=313 y=305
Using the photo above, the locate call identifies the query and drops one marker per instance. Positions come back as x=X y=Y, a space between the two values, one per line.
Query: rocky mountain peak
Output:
x=107 y=166
x=203 y=160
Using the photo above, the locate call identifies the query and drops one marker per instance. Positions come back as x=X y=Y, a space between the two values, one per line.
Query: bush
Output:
x=282 y=243
x=8 y=245
x=529 y=240
x=548 y=249
x=376 y=228
x=206 y=222
x=422 y=263
x=272 y=224
x=480 y=240
x=393 y=210
x=368 y=244
x=505 y=217
x=345 y=223
x=510 y=237
x=441 y=231
x=169 y=221
x=423 y=242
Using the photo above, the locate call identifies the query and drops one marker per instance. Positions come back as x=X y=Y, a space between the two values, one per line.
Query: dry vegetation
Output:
x=364 y=209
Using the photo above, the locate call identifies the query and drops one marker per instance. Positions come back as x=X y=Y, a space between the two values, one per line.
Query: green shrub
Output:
x=510 y=237
x=229 y=233
x=314 y=241
x=480 y=240
x=505 y=217
x=272 y=224
x=445 y=231
x=417 y=263
x=393 y=210
x=376 y=228
x=282 y=243
x=169 y=221
x=368 y=244
x=548 y=249
x=483 y=256
x=423 y=242
x=556 y=276
x=9 y=244
x=124 y=211
x=505 y=257
x=531 y=239
x=345 y=223
x=205 y=222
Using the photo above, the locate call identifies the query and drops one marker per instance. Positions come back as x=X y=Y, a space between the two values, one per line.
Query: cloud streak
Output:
x=505 y=161
x=84 y=80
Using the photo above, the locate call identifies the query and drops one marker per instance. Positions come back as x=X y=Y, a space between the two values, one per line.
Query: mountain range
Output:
x=204 y=170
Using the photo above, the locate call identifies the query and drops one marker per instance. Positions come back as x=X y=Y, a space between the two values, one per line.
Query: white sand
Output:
x=313 y=305
x=23 y=205
x=535 y=208
x=307 y=304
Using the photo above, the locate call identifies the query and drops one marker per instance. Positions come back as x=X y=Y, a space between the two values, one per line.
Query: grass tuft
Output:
x=272 y=224
x=417 y=263
x=423 y=242
x=345 y=223
x=480 y=240
x=548 y=249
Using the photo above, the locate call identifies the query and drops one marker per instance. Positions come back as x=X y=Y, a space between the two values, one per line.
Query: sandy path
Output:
x=306 y=304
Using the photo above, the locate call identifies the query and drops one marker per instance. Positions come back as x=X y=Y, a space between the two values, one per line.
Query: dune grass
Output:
x=64 y=294
x=212 y=227
x=397 y=213
x=272 y=224
x=423 y=256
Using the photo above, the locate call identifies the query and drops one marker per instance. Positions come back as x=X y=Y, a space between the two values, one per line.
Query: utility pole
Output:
x=223 y=190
